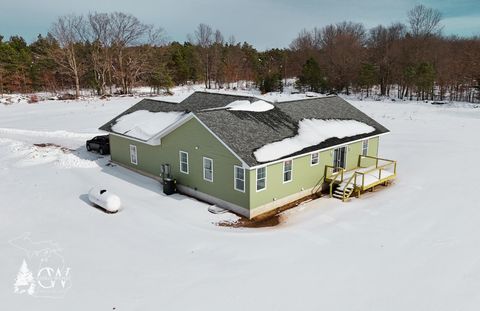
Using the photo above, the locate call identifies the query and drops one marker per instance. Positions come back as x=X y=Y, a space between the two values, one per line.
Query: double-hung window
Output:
x=208 y=169
x=184 y=162
x=261 y=178
x=133 y=154
x=365 y=147
x=287 y=171
x=239 y=178
x=314 y=159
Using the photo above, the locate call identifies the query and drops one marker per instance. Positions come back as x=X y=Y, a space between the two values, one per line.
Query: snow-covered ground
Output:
x=411 y=246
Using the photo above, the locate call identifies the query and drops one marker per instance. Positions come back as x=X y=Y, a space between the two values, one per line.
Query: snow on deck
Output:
x=311 y=132
x=143 y=124
x=370 y=178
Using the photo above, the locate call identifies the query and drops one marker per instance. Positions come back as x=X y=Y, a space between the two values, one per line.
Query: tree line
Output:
x=112 y=53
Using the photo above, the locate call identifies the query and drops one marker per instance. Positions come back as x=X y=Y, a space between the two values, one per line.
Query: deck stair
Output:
x=370 y=172
x=339 y=191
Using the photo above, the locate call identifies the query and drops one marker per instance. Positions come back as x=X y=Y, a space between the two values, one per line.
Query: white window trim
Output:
x=363 y=144
x=235 y=167
x=203 y=165
x=180 y=160
x=256 y=179
x=318 y=158
x=133 y=147
x=291 y=172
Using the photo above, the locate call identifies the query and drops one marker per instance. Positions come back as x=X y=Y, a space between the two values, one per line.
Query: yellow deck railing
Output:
x=366 y=165
x=380 y=167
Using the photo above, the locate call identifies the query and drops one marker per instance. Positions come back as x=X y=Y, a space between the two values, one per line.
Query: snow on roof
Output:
x=245 y=105
x=311 y=132
x=143 y=124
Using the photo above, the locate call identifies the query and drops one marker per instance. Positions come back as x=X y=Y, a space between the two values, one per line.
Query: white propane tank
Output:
x=105 y=199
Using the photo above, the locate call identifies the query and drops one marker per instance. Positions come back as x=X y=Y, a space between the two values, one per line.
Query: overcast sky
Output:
x=264 y=23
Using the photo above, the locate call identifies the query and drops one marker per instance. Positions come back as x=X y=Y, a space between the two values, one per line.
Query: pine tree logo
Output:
x=24 y=283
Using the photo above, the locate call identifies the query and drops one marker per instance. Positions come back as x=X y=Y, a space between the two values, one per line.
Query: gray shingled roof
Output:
x=196 y=102
x=244 y=131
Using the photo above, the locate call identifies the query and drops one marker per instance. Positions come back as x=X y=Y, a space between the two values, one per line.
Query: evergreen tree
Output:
x=311 y=79
x=160 y=79
x=270 y=83
x=367 y=77
x=425 y=79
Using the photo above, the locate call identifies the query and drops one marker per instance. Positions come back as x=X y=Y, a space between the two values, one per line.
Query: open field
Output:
x=411 y=246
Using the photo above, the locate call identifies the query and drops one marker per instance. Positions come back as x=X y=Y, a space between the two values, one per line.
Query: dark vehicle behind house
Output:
x=100 y=144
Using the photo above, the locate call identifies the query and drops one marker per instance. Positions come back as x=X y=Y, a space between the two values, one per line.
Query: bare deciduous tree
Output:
x=203 y=37
x=67 y=31
x=343 y=48
x=424 y=21
x=100 y=35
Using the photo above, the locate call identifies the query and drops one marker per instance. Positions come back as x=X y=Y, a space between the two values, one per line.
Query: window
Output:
x=287 y=171
x=239 y=178
x=184 y=162
x=314 y=159
x=365 y=147
x=261 y=178
x=133 y=154
x=208 y=169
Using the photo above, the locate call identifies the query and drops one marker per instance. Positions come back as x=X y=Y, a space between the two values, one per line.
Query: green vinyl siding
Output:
x=193 y=138
x=304 y=175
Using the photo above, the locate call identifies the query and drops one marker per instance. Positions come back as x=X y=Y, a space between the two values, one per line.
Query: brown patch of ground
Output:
x=47 y=145
x=270 y=219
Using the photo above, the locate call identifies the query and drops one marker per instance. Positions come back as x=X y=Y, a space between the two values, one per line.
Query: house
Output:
x=251 y=156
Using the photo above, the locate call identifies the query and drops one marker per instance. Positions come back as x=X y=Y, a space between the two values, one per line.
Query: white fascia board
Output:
x=156 y=140
x=318 y=150
x=129 y=138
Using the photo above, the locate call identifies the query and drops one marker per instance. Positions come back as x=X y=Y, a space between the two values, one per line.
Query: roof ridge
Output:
x=227 y=94
x=160 y=101
x=308 y=98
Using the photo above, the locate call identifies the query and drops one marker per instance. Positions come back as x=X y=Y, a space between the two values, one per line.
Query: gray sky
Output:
x=264 y=23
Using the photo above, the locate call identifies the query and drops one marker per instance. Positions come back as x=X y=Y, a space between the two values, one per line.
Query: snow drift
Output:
x=311 y=132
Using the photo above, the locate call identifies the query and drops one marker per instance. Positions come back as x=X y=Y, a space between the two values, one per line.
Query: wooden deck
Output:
x=370 y=172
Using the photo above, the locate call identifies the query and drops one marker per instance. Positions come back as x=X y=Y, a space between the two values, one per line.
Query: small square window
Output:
x=365 y=147
x=208 y=169
x=184 y=162
x=287 y=171
x=314 y=160
x=239 y=178
x=133 y=154
x=261 y=178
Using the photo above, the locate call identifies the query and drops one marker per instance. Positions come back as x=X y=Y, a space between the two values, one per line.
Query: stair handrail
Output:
x=318 y=186
x=335 y=175
x=345 y=194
